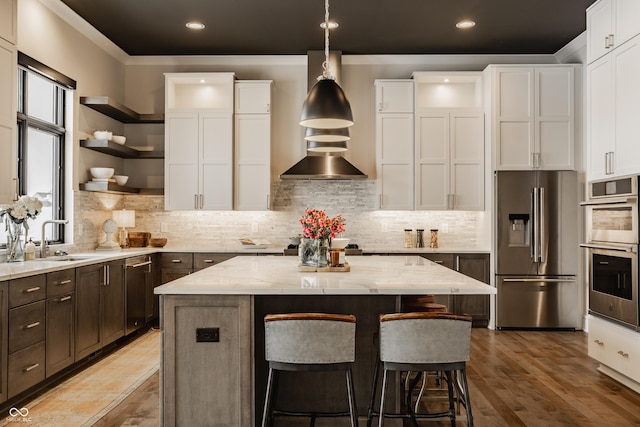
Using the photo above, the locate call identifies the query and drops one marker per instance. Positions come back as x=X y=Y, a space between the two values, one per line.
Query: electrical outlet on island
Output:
x=384 y=227
x=254 y=227
x=444 y=227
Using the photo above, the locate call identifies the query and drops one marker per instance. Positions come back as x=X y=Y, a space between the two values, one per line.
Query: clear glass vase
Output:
x=15 y=241
x=313 y=252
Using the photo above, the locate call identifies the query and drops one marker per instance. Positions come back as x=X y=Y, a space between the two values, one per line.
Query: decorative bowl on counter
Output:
x=119 y=139
x=339 y=243
x=101 y=173
x=139 y=239
x=121 y=179
x=103 y=134
x=158 y=242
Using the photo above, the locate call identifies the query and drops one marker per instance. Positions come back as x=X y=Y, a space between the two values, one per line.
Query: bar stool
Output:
x=422 y=303
x=424 y=342
x=309 y=342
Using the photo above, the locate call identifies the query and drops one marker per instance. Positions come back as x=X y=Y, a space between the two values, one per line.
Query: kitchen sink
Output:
x=69 y=258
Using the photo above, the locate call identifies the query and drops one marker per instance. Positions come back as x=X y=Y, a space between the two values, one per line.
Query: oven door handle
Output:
x=611 y=201
x=533 y=279
x=609 y=247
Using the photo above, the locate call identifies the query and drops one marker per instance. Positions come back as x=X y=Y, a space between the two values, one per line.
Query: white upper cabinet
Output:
x=199 y=141
x=449 y=159
x=610 y=23
x=394 y=96
x=395 y=144
x=252 y=145
x=533 y=116
x=8 y=87
x=252 y=97
x=613 y=111
x=9 y=21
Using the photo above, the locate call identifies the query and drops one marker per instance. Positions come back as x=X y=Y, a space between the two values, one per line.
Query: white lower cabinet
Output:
x=198 y=161
x=617 y=348
x=449 y=159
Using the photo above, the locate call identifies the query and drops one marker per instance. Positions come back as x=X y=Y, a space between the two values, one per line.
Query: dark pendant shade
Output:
x=326 y=107
x=326 y=147
x=327 y=135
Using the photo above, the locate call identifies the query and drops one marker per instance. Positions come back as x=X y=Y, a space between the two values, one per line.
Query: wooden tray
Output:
x=305 y=268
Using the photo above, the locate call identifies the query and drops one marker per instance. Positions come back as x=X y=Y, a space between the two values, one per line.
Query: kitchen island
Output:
x=213 y=370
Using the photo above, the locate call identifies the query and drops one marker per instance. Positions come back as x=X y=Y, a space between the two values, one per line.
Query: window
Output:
x=42 y=97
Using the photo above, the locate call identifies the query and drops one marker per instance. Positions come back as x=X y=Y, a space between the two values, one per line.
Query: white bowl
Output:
x=102 y=173
x=339 y=243
x=102 y=134
x=118 y=139
x=121 y=179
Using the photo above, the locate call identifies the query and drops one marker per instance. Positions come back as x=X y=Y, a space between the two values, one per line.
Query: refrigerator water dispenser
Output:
x=519 y=230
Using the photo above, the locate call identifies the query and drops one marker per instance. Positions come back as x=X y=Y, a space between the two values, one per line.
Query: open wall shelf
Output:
x=117 y=111
x=122 y=151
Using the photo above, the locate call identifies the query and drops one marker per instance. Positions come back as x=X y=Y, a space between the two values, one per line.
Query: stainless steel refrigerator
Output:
x=537 y=249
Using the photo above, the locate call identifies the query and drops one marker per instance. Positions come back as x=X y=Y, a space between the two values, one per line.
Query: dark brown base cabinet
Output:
x=27 y=333
x=100 y=306
x=4 y=338
x=472 y=265
x=174 y=265
x=60 y=323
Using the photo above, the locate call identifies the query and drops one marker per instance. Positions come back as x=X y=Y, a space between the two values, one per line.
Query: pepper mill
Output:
x=419 y=238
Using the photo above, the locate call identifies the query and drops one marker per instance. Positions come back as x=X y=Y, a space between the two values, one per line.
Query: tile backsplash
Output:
x=356 y=200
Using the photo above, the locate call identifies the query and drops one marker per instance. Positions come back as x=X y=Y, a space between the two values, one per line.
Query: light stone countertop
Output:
x=275 y=275
x=17 y=270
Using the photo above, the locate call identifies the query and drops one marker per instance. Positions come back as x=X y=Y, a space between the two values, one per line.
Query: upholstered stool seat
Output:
x=422 y=303
x=424 y=342
x=309 y=342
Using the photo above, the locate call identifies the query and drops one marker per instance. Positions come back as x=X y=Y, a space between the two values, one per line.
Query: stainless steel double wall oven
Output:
x=613 y=238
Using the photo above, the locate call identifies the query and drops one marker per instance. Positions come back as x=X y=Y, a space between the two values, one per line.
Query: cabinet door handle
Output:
x=31 y=368
x=195 y=201
x=268 y=108
x=379 y=106
x=64 y=282
x=623 y=354
x=16 y=195
x=268 y=202
x=598 y=342
x=611 y=41
x=439 y=262
x=176 y=261
x=208 y=261
x=30 y=290
x=63 y=299
x=32 y=325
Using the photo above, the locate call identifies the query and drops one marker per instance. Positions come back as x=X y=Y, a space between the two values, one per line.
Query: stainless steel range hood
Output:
x=323 y=166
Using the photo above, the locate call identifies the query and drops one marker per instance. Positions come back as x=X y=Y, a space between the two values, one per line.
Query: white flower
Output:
x=18 y=212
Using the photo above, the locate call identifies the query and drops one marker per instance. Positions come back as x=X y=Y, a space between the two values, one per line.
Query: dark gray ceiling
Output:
x=291 y=27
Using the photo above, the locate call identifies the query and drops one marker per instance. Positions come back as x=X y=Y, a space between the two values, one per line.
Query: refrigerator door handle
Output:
x=541 y=224
x=533 y=224
x=531 y=279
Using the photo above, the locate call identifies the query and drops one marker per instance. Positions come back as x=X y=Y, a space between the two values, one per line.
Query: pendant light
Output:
x=327 y=135
x=326 y=106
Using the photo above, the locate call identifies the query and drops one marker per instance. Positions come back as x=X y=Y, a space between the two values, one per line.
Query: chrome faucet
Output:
x=44 y=248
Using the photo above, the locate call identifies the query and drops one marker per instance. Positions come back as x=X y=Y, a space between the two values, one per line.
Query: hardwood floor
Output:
x=517 y=378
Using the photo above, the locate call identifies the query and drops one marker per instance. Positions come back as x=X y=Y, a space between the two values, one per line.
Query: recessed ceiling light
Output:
x=202 y=81
x=332 y=25
x=446 y=80
x=465 y=24
x=195 y=25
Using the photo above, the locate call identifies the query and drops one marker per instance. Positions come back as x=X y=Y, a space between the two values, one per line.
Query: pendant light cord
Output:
x=326 y=66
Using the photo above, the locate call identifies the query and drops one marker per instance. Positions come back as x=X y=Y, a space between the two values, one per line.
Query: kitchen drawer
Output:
x=26 y=368
x=26 y=325
x=615 y=346
x=177 y=260
x=61 y=282
x=204 y=260
x=442 y=259
x=26 y=290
